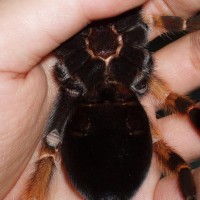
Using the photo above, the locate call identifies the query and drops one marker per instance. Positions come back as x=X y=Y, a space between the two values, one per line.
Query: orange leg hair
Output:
x=169 y=161
x=174 y=102
x=38 y=185
x=172 y=164
x=173 y=23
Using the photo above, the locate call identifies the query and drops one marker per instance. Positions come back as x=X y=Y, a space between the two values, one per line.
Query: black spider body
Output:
x=109 y=160
x=103 y=70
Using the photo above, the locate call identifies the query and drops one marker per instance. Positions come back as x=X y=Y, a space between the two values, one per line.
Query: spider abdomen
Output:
x=107 y=150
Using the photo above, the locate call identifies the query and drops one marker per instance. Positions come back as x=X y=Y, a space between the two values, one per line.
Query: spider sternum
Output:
x=104 y=43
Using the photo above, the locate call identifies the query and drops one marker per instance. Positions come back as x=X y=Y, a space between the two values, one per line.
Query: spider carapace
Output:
x=98 y=125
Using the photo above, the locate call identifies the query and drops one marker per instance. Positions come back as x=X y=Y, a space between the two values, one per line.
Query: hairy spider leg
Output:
x=38 y=185
x=174 y=102
x=174 y=23
x=171 y=162
x=185 y=106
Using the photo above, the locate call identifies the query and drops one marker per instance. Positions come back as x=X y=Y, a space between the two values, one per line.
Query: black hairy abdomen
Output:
x=109 y=162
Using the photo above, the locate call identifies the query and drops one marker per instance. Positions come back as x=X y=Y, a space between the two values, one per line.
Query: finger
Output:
x=178 y=133
x=178 y=64
x=32 y=29
x=182 y=8
x=167 y=188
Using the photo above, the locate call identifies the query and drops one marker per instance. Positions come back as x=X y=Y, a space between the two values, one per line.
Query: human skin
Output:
x=30 y=30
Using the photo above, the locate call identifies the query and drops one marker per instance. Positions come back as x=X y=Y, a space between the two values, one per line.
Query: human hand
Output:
x=27 y=91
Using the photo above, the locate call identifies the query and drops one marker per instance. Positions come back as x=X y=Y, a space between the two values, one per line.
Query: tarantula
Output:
x=98 y=124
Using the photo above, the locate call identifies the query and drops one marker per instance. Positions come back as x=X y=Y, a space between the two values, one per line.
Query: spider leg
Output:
x=38 y=184
x=169 y=161
x=69 y=92
x=174 y=23
x=175 y=102
x=173 y=164
x=184 y=106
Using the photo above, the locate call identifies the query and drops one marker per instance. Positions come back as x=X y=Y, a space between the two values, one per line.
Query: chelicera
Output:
x=98 y=124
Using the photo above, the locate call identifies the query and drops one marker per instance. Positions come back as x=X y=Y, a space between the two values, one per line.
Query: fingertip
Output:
x=177 y=131
x=177 y=64
x=167 y=188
